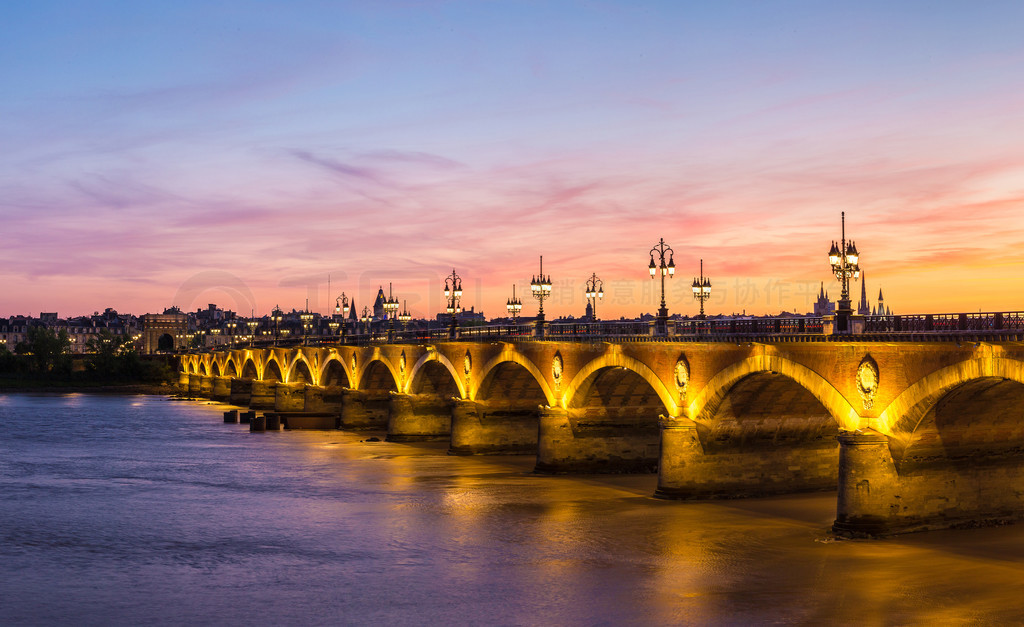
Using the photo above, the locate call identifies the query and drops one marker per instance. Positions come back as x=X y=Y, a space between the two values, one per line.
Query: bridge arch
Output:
x=202 y=369
x=987 y=388
x=581 y=385
x=272 y=370
x=709 y=399
x=230 y=369
x=334 y=373
x=214 y=369
x=378 y=374
x=499 y=365
x=249 y=370
x=301 y=371
x=427 y=373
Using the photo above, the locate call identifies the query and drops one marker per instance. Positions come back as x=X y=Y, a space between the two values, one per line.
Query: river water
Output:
x=131 y=510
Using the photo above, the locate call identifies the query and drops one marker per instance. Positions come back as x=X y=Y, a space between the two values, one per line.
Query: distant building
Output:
x=823 y=306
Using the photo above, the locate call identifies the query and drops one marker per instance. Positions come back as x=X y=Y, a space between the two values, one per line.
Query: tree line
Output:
x=45 y=355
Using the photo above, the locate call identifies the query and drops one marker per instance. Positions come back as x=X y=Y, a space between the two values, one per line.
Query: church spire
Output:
x=864 y=308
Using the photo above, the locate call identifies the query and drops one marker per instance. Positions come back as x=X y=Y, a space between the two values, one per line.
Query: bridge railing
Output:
x=678 y=330
x=946 y=323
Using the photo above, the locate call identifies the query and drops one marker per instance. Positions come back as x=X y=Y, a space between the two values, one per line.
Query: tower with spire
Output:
x=823 y=306
x=864 y=308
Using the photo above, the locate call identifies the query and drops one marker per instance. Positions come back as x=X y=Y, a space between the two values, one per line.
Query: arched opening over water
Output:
x=767 y=434
x=334 y=375
x=619 y=410
x=434 y=378
x=300 y=373
x=377 y=377
x=249 y=370
x=272 y=372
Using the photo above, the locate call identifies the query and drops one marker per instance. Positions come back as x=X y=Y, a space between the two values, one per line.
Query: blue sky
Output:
x=149 y=145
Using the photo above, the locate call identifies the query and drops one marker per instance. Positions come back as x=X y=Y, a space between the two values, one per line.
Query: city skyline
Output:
x=188 y=154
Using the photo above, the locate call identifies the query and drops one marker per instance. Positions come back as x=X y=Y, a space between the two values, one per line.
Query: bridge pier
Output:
x=688 y=470
x=183 y=378
x=241 y=392
x=262 y=394
x=479 y=429
x=418 y=417
x=878 y=497
x=206 y=386
x=364 y=409
x=221 y=389
x=290 y=397
x=590 y=442
x=322 y=399
x=193 y=384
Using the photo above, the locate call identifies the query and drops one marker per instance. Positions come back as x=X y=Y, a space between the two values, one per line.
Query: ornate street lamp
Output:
x=595 y=291
x=252 y=324
x=341 y=307
x=514 y=305
x=453 y=293
x=276 y=316
x=390 y=311
x=405 y=316
x=333 y=325
x=540 y=285
x=665 y=269
x=845 y=265
x=231 y=331
x=702 y=288
x=366 y=319
x=307 y=323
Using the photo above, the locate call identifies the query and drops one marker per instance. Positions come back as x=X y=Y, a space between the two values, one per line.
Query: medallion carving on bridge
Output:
x=682 y=374
x=467 y=363
x=867 y=380
x=556 y=370
x=353 y=364
x=401 y=363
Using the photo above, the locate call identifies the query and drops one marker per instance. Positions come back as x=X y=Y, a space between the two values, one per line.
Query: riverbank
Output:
x=99 y=387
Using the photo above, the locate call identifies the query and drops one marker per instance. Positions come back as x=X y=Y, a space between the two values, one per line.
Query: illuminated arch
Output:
x=710 y=398
x=324 y=375
x=582 y=380
x=272 y=366
x=300 y=361
x=507 y=356
x=202 y=369
x=901 y=418
x=421 y=363
x=214 y=369
x=369 y=365
x=230 y=369
x=249 y=369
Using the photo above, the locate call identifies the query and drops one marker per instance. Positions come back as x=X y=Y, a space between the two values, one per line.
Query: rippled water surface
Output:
x=142 y=510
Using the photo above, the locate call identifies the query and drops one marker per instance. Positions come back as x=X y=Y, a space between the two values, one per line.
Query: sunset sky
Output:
x=239 y=153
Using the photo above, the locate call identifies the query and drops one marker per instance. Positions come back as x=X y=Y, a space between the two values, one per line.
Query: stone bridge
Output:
x=916 y=435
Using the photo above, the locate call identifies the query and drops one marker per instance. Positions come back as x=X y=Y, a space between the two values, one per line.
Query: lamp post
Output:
x=231 y=331
x=307 y=323
x=342 y=307
x=333 y=325
x=366 y=319
x=844 y=259
x=453 y=293
x=702 y=289
x=540 y=285
x=595 y=291
x=514 y=305
x=405 y=316
x=390 y=310
x=276 y=316
x=252 y=324
x=665 y=269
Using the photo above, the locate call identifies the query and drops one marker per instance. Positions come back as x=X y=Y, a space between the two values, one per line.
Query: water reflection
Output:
x=149 y=511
